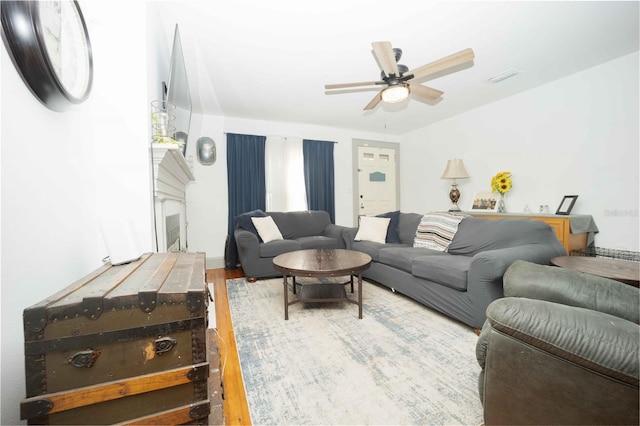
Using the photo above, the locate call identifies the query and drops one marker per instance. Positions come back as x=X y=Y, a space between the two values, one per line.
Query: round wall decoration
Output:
x=49 y=45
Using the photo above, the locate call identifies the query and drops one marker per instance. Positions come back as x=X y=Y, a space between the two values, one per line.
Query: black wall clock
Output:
x=49 y=45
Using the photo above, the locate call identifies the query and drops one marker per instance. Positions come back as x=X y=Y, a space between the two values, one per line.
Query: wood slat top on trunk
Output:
x=153 y=280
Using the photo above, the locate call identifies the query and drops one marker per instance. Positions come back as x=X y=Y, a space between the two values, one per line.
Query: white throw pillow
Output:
x=373 y=229
x=267 y=228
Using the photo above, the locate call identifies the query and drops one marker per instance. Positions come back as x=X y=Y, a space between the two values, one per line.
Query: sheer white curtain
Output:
x=284 y=174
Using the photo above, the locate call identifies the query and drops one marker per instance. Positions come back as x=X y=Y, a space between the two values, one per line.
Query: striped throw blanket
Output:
x=437 y=229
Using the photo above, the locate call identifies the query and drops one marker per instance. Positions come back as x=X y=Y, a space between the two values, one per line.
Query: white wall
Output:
x=207 y=196
x=63 y=172
x=575 y=136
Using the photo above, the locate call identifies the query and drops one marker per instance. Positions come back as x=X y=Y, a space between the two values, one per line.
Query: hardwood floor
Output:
x=236 y=410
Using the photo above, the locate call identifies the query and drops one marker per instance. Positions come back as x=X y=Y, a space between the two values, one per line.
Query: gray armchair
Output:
x=562 y=347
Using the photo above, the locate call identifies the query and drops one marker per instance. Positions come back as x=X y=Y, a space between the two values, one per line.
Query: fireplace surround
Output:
x=171 y=175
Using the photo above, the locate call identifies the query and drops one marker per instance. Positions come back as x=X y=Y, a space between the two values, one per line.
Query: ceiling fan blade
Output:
x=442 y=64
x=386 y=57
x=425 y=91
x=375 y=101
x=347 y=85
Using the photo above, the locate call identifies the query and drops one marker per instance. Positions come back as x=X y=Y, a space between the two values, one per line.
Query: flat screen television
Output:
x=178 y=91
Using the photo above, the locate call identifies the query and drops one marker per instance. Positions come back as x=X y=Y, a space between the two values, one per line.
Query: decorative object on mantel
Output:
x=206 y=151
x=567 y=204
x=454 y=170
x=501 y=183
x=181 y=139
x=163 y=118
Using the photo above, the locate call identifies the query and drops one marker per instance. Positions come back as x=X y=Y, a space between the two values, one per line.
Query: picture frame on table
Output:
x=485 y=201
x=566 y=205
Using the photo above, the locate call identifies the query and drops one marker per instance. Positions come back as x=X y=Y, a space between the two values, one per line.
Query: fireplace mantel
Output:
x=171 y=175
x=170 y=171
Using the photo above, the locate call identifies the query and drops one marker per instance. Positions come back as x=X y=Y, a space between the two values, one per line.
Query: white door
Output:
x=376 y=180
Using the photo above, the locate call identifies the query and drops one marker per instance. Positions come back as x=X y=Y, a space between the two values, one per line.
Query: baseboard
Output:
x=215 y=262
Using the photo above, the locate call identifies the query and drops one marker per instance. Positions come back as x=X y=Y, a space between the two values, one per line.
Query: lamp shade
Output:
x=455 y=170
x=394 y=94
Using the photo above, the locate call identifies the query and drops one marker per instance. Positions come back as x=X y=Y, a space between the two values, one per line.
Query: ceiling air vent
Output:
x=503 y=75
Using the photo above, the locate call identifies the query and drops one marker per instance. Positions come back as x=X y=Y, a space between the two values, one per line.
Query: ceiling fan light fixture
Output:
x=395 y=94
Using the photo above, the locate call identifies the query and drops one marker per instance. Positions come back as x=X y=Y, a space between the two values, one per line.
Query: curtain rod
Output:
x=277 y=136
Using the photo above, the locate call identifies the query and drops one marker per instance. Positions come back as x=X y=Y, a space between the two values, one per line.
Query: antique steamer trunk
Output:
x=125 y=344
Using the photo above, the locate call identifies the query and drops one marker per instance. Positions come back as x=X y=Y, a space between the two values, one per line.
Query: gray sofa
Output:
x=464 y=280
x=562 y=347
x=301 y=230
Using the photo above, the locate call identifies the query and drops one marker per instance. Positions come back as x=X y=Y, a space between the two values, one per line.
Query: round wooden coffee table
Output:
x=620 y=270
x=322 y=263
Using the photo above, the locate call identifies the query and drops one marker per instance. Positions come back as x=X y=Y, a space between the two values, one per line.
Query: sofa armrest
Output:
x=336 y=232
x=349 y=234
x=572 y=288
x=247 y=243
x=594 y=340
x=492 y=264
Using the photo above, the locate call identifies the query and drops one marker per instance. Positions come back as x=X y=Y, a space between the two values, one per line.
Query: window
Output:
x=284 y=174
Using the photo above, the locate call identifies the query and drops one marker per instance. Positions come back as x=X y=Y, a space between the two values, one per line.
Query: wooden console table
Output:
x=575 y=232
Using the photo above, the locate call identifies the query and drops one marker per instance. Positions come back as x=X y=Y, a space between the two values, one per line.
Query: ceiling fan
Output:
x=398 y=78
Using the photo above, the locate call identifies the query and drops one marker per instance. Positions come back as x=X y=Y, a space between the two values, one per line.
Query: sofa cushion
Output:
x=306 y=223
x=407 y=225
x=274 y=248
x=448 y=270
x=244 y=220
x=369 y=248
x=393 y=235
x=400 y=257
x=437 y=229
x=372 y=229
x=317 y=242
x=267 y=228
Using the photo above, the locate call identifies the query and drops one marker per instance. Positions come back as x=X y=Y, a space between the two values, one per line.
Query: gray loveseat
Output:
x=464 y=280
x=560 y=348
x=300 y=231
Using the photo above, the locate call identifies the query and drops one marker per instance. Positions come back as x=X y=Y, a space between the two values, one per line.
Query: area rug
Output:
x=401 y=364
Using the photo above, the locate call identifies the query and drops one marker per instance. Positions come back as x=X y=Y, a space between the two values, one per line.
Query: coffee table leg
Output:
x=286 y=297
x=359 y=295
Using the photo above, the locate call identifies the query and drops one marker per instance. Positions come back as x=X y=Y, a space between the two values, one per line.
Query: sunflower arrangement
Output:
x=501 y=182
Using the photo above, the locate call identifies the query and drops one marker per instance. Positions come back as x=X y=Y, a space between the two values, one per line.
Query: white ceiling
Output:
x=269 y=60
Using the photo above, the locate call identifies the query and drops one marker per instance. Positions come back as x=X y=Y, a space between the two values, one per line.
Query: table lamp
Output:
x=454 y=170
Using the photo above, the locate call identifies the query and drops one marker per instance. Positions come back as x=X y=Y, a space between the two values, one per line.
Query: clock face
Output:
x=62 y=30
x=49 y=44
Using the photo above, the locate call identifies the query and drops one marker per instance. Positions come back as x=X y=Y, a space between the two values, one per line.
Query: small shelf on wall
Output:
x=171 y=172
